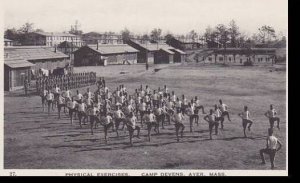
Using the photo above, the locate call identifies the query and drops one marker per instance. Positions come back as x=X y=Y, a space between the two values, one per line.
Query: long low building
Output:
x=42 y=57
x=156 y=53
x=105 y=54
x=239 y=56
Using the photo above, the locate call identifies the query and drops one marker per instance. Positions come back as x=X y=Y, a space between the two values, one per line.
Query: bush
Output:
x=248 y=63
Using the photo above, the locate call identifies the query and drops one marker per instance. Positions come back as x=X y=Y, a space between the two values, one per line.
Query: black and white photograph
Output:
x=144 y=88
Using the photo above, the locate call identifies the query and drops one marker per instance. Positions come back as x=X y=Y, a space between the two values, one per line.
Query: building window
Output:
x=241 y=60
x=229 y=59
x=220 y=58
x=209 y=59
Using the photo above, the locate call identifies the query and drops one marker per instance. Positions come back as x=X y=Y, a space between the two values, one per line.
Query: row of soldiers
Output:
x=72 y=80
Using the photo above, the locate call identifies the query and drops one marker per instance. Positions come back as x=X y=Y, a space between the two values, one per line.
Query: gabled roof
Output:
x=17 y=62
x=106 y=49
x=168 y=51
x=60 y=34
x=153 y=46
x=179 y=51
x=32 y=53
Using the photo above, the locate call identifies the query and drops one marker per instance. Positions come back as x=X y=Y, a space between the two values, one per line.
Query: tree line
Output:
x=221 y=35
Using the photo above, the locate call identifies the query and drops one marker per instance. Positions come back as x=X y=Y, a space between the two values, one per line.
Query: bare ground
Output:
x=34 y=140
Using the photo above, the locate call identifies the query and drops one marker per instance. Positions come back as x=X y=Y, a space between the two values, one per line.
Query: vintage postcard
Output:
x=144 y=88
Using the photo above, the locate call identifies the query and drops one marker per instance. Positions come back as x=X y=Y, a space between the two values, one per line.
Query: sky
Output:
x=141 y=16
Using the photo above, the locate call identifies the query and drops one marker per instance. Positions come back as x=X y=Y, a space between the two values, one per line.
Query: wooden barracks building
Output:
x=24 y=61
x=105 y=54
x=239 y=56
x=156 y=53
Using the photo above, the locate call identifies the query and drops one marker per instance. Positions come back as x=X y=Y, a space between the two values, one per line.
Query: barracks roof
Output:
x=32 y=53
x=154 y=46
x=106 y=49
x=179 y=51
x=17 y=62
x=168 y=51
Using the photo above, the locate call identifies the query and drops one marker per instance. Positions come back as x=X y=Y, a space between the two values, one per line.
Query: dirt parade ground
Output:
x=34 y=140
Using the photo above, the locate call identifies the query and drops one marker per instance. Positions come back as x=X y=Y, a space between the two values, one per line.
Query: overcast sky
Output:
x=141 y=16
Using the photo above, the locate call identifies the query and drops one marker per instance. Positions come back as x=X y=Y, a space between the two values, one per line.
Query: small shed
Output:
x=16 y=69
x=8 y=42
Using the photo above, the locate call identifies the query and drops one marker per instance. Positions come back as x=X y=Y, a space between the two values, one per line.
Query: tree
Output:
x=75 y=29
x=169 y=36
x=193 y=35
x=27 y=28
x=208 y=33
x=222 y=34
x=266 y=33
x=145 y=37
x=39 y=30
x=11 y=34
x=233 y=33
x=126 y=35
x=155 y=34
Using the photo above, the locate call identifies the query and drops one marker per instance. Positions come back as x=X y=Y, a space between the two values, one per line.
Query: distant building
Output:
x=147 y=52
x=50 y=39
x=41 y=56
x=8 y=42
x=185 y=44
x=105 y=54
x=239 y=56
x=102 y=38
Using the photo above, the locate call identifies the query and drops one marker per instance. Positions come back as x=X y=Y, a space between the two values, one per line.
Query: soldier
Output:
x=272 y=115
x=50 y=99
x=271 y=148
x=61 y=103
x=224 y=109
x=72 y=105
x=43 y=94
x=219 y=117
x=82 y=108
x=211 y=119
x=26 y=85
x=198 y=105
x=132 y=126
x=178 y=119
x=246 y=120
